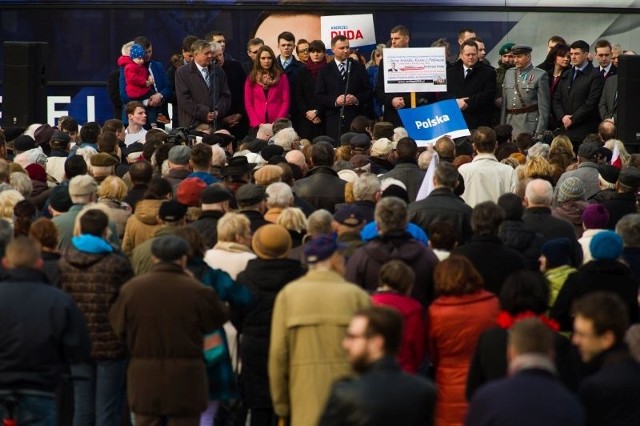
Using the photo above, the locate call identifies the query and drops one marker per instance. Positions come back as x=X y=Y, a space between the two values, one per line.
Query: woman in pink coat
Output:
x=266 y=91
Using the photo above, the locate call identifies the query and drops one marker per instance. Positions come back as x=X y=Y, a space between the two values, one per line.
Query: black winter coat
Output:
x=322 y=188
x=492 y=259
x=597 y=275
x=265 y=278
x=516 y=235
x=442 y=205
x=382 y=396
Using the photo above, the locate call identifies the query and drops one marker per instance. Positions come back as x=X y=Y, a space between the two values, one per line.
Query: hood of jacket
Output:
x=124 y=60
x=147 y=211
x=396 y=245
x=516 y=235
x=87 y=250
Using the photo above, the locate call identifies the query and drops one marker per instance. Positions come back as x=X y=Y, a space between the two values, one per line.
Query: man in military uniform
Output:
x=526 y=101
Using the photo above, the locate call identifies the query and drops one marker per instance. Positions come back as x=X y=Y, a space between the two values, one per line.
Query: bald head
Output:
x=296 y=157
x=539 y=193
x=445 y=147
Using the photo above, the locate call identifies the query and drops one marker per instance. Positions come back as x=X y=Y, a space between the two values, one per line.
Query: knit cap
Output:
x=595 y=216
x=137 y=52
x=606 y=245
x=571 y=188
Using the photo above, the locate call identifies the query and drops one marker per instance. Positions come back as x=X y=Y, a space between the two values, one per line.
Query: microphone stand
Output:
x=344 y=104
x=214 y=86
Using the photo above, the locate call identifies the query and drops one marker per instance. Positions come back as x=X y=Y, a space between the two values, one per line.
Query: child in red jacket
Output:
x=139 y=83
x=396 y=281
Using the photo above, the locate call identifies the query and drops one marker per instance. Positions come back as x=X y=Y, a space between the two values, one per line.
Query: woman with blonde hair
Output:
x=111 y=193
x=534 y=168
x=561 y=156
x=233 y=249
x=8 y=200
x=294 y=221
x=625 y=157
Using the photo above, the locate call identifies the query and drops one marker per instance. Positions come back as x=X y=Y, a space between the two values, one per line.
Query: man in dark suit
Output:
x=473 y=86
x=608 y=105
x=235 y=120
x=603 y=54
x=201 y=89
x=383 y=394
x=575 y=101
x=610 y=395
x=392 y=102
x=341 y=76
x=291 y=67
x=516 y=400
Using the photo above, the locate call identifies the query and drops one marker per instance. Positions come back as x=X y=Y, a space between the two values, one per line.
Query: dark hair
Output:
x=385 y=322
x=24 y=214
x=456 y=276
x=286 y=35
x=486 y=218
x=580 y=44
x=606 y=310
x=531 y=335
x=187 y=42
x=602 y=43
x=469 y=42
x=525 y=291
x=338 y=38
x=197 y=245
x=397 y=275
x=45 y=232
x=201 y=155
x=107 y=142
x=142 y=41
x=557 y=39
x=131 y=106
x=406 y=149
x=484 y=139
x=112 y=125
x=158 y=189
x=524 y=141
x=442 y=235
x=141 y=172
x=281 y=123
x=75 y=166
x=162 y=153
x=90 y=132
x=400 y=29
x=446 y=175
x=317 y=46
x=274 y=71
x=322 y=154
x=94 y=222
x=503 y=133
x=360 y=124
x=69 y=125
x=512 y=206
x=465 y=30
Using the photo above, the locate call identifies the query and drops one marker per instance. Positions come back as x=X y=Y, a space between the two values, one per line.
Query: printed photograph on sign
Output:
x=415 y=69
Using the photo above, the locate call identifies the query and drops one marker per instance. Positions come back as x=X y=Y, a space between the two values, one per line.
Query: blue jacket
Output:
x=161 y=83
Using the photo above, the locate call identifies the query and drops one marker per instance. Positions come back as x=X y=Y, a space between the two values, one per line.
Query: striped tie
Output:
x=343 y=71
x=205 y=75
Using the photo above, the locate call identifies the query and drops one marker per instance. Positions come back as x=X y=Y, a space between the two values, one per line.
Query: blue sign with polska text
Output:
x=427 y=123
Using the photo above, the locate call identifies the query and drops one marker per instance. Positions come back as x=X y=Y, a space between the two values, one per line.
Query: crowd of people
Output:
x=287 y=254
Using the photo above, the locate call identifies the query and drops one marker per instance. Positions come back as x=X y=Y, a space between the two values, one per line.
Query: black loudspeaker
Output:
x=628 y=121
x=24 y=99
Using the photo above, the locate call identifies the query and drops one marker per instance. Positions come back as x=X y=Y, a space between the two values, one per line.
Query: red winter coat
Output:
x=263 y=108
x=412 y=348
x=135 y=77
x=455 y=322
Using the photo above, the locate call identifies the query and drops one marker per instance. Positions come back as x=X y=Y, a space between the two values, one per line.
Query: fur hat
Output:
x=82 y=185
x=271 y=242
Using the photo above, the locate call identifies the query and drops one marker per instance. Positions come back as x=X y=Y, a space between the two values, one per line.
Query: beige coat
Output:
x=142 y=225
x=310 y=319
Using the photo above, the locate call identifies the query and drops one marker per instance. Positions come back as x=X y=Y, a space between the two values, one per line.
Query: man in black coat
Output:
x=610 y=395
x=201 y=101
x=624 y=201
x=322 y=187
x=235 y=120
x=383 y=394
x=473 y=86
x=442 y=205
x=517 y=399
x=340 y=76
x=575 y=101
x=43 y=332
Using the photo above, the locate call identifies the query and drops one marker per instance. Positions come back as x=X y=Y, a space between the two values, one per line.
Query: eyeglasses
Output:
x=303 y=51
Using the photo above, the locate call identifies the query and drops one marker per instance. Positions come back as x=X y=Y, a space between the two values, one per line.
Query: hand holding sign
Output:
x=427 y=123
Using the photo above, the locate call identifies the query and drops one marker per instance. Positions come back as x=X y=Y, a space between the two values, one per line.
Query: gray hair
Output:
x=218 y=157
x=293 y=219
x=539 y=192
x=21 y=183
x=539 y=149
x=319 y=222
x=279 y=195
x=391 y=215
x=365 y=187
x=629 y=229
x=126 y=48
x=286 y=138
